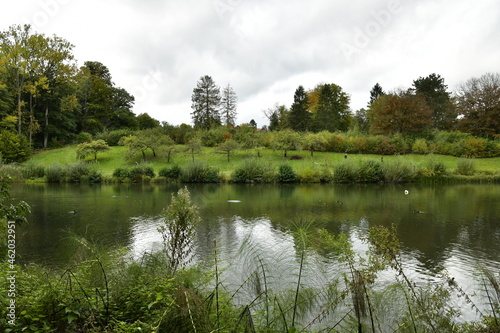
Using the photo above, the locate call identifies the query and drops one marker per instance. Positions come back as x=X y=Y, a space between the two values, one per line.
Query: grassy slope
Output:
x=108 y=161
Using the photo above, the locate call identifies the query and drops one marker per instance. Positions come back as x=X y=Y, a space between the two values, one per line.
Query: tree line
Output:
x=46 y=99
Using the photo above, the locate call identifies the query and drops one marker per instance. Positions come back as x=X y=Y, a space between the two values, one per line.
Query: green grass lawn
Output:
x=114 y=158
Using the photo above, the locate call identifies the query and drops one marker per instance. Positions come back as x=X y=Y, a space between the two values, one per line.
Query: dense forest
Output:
x=48 y=100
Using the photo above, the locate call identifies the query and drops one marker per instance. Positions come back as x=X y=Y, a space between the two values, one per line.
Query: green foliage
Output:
x=420 y=146
x=213 y=137
x=113 y=138
x=178 y=229
x=91 y=149
x=14 y=147
x=398 y=171
x=173 y=172
x=135 y=174
x=83 y=137
x=254 y=171
x=199 y=172
x=358 y=172
x=54 y=173
x=206 y=100
x=227 y=147
x=286 y=174
x=32 y=170
x=465 y=167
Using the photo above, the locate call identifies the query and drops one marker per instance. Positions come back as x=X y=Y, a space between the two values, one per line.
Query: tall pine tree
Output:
x=300 y=116
x=438 y=99
x=228 y=106
x=375 y=93
x=206 y=103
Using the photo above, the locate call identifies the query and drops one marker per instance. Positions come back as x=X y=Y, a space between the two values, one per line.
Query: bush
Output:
x=142 y=170
x=286 y=174
x=343 y=173
x=420 y=146
x=254 y=171
x=174 y=172
x=54 y=173
x=122 y=173
x=75 y=171
x=14 y=171
x=199 y=172
x=113 y=138
x=360 y=172
x=13 y=147
x=369 y=172
x=466 y=167
x=398 y=171
x=32 y=170
x=83 y=137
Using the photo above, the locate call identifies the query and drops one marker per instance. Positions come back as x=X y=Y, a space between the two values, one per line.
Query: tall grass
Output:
x=254 y=171
x=199 y=172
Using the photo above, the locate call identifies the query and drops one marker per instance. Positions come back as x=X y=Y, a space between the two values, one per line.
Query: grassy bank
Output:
x=321 y=167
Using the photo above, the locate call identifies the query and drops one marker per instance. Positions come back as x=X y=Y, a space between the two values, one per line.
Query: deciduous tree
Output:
x=478 y=101
x=399 y=112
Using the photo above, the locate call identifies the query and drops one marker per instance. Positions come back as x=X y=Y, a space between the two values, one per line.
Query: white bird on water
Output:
x=406 y=192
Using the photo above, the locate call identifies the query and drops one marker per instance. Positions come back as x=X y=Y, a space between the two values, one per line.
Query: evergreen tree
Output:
x=228 y=106
x=375 y=93
x=300 y=116
x=438 y=99
x=206 y=102
x=331 y=112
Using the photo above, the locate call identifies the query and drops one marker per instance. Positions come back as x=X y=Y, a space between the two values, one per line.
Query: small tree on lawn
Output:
x=227 y=147
x=91 y=148
x=194 y=147
x=178 y=229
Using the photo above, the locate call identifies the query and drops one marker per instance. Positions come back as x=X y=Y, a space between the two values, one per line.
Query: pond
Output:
x=443 y=228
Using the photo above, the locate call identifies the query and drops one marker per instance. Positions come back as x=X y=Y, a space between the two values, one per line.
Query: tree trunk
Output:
x=46 y=134
x=19 y=112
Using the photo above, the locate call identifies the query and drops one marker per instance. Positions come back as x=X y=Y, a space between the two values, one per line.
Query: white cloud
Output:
x=159 y=49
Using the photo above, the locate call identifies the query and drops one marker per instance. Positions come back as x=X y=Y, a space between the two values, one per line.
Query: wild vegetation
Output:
x=172 y=291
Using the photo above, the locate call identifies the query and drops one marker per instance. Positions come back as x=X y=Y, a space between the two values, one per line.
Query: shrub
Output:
x=254 y=171
x=343 y=173
x=466 y=167
x=13 y=147
x=174 y=172
x=74 y=171
x=54 y=173
x=199 y=172
x=122 y=173
x=113 y=137
x=420 y=146
x=398 y=171
x=286 y=174
x=369 y=172
x=358 y=172
x=94 y=177
x=142 y=170
x=213 y=137
x=14 y=171
x=32 y=170
x=83 y=137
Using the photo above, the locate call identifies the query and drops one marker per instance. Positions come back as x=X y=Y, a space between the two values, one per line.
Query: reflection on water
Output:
x=458 y=229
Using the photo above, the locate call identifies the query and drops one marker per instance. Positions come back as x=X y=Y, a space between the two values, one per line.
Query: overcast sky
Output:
x=158 y=49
